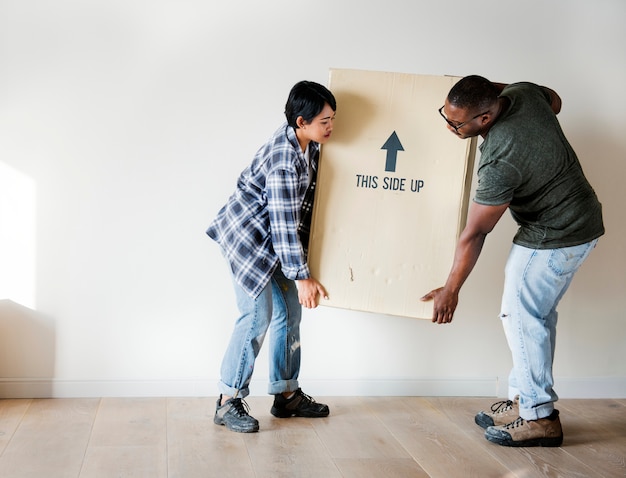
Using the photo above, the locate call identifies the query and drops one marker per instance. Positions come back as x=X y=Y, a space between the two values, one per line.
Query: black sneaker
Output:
x=234 y=416
x=300 y=405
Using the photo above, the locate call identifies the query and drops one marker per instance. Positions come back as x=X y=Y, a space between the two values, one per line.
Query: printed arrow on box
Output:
x=392 y=145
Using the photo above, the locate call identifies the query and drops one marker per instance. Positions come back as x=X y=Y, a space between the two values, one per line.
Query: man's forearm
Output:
x=465 y=258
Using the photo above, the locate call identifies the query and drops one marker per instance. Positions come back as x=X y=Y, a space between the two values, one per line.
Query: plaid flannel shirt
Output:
x=266 y=221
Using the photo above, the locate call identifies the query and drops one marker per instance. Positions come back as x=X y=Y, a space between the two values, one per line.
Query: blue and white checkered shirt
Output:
x=266 y=221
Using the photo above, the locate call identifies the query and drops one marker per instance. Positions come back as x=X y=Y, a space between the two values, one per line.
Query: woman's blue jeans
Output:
x=278 y=310
x=535 y=281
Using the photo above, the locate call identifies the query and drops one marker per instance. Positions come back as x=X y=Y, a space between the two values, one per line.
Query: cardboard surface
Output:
x=392 y=197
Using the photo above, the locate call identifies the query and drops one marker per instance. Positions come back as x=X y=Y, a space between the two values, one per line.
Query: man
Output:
x=528 y=167
x=263 y=231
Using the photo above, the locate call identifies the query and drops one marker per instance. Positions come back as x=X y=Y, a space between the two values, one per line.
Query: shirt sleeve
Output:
x=284 y=204
x=497 y=182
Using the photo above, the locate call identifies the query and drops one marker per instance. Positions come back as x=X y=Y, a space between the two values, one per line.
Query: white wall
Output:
x=124 y=124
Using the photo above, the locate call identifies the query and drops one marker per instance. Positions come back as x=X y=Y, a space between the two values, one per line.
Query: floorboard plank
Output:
x=287 y=447
x=197 y=448
x=128 y=434
x=595 y=433
x=435 y=442
x=290 y=452
x=51 y=439
x=11 y=414
x=353 y=430
x=380 y=468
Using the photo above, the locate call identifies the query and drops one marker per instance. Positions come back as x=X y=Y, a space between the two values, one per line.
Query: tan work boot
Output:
x=502 y=413
x=543 y=432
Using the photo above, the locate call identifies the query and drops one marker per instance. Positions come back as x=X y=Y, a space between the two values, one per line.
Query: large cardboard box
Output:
x=392 y=197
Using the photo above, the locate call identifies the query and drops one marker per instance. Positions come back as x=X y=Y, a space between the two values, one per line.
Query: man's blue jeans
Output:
x=535 y=281
x=278 y=310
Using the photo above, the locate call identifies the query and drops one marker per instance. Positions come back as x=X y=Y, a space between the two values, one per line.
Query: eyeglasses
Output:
x=457 y=127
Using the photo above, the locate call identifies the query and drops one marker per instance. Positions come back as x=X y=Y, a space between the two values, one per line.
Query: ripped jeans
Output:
x=278 y=310
x=535 y=281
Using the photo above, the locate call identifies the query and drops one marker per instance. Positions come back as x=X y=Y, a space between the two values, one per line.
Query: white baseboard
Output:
x=607 y=387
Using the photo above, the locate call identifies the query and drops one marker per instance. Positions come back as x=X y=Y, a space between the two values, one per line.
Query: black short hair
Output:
x=473 y=93
x=307 y=99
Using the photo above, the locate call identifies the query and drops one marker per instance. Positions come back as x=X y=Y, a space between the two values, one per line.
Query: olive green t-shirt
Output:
x=526 y=161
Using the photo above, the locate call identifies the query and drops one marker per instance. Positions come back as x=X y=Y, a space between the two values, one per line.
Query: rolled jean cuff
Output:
x=274 y=388
x=541 y=411
x=233 y=392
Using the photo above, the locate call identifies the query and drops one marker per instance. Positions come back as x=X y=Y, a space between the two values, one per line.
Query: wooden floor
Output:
x=364 y=437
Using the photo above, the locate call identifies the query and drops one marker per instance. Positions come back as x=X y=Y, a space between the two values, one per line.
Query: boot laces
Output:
x=518 y=422
x=240 y=407
x=501 y=407
x=305 y=397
